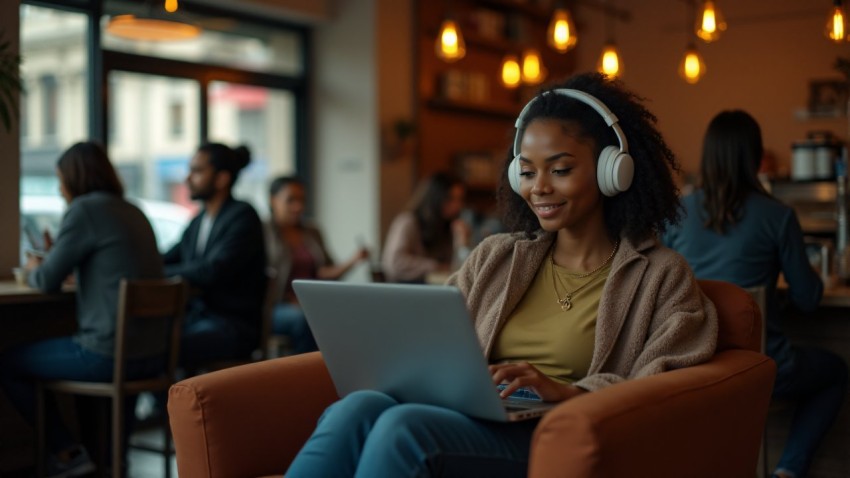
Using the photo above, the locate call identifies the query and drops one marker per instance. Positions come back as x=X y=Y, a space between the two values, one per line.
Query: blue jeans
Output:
x=288 y=319
x=817 y=382
x=62 y=358
x=208 y=337
x=369 y=434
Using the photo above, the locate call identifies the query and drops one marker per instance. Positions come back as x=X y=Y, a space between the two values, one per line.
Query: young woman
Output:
x=102 y=239
x=735 y=231
x=429 y=237
x=579 y=297
x=296 y=250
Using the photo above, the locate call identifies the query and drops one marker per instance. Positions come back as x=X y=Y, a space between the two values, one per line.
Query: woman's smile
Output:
x=548 y=209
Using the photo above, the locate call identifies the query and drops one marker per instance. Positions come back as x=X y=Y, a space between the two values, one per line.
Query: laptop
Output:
x=415 y=343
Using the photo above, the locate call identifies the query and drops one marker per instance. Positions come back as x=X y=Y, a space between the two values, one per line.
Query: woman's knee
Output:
x=361 y=405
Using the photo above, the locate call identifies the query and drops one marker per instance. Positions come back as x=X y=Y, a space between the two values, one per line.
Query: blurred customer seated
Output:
x=102 y=239
x=222 y=256
x=296 y=250
x=430 y=236
x=733 y=230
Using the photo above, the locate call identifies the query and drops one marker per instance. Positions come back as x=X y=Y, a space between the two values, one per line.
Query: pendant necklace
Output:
x=566 y=302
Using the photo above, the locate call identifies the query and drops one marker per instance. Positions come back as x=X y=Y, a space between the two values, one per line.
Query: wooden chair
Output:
x=152 y=299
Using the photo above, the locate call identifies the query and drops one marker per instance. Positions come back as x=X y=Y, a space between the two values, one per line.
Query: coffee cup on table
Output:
x=20 y=275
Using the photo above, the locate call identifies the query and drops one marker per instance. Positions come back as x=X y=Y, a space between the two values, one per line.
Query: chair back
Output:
x=740 y=321
x=150 y=299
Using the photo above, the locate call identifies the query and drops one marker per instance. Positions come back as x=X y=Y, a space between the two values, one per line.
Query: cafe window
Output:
x=55 y=103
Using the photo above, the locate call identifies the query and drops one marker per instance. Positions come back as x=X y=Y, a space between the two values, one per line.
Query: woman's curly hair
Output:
x=651 y=203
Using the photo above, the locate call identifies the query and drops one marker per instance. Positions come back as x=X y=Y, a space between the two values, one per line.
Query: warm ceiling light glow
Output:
x=170 y=6
x=692 y=66
x=450 y=45
x=609 y=62
x=710 y=22
x=511 y=75
x=836 y=23
x=533 y=71
x=561 y=34
x=138 y=28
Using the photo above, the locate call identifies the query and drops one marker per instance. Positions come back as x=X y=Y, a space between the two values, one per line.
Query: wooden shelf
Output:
x=495 y=110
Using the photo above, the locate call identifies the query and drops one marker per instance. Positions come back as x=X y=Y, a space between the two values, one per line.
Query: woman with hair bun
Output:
x=222 y=255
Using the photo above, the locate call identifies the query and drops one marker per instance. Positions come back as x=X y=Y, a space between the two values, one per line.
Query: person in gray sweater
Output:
x=102 y=239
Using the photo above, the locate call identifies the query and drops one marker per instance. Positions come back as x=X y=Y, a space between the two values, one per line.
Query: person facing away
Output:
x=580 y=296
x=296 y=250
x=102 y=239
x=222 y=256
x=734 y=230
x=430 y=234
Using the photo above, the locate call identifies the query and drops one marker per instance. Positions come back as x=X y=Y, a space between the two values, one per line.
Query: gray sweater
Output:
x=102 y=239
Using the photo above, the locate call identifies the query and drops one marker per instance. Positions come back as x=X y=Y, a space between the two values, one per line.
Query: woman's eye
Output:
x=561 y=172
x=526 y=174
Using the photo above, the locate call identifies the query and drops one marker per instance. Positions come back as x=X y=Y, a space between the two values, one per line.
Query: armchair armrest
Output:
x=705 y=420
x=249 y=420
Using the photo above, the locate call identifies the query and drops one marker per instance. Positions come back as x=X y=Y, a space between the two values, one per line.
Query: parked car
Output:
x=44 y=213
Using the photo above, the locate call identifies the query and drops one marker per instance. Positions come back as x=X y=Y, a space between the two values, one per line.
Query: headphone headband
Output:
x=586 y=98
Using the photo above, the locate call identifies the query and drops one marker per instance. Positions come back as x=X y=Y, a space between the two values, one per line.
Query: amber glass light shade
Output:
x=511 y=71
x=692 y=67
x=170 y=6
x=450 y=45
x=609 y=62
x=132 y=27
x=561 y=34
x=710 y=22
x=836 y=24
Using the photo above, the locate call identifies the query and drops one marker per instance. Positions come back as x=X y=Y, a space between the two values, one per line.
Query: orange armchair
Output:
x=706 y=420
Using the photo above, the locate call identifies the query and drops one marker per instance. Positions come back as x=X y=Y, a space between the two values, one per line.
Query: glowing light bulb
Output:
x=511 y=74
x=710 y=22
x=170 y=6
x=561 y=34
x=609 y=62
x=450 y=45
x=533 y=71
x=836 y=23
x=692 y=67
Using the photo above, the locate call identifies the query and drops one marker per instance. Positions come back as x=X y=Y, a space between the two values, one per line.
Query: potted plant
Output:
x=10 y=82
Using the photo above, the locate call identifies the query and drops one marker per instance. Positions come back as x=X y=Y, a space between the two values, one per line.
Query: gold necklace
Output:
x=566 y=302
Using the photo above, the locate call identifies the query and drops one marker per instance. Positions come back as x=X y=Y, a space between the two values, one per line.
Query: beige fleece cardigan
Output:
x=653 y=317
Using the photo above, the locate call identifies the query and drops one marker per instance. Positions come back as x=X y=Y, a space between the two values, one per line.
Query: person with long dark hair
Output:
x=734 y=230
x=222 y=255
x=578 y=297
x=296 y=250
x=430 y=235
x=102 y=239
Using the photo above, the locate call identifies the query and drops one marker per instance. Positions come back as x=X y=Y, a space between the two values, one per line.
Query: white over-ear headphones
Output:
x=615 y=168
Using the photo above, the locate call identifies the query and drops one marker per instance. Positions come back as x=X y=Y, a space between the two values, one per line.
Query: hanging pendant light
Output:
x=533 y=71
x=710 y=22
x=154 y=26
x=692 y=67
x=836 y=23
x=450 y=45
x=609 y=62
x=511 y=72
x=561 y=34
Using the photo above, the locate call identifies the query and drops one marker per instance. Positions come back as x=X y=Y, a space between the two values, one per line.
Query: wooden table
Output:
x=26 y=315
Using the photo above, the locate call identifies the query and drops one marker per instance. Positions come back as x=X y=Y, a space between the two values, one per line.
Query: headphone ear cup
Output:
x=615 y=171
x=605 y=170
x=513 y=174
x=624 y=172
